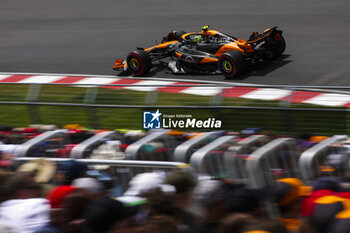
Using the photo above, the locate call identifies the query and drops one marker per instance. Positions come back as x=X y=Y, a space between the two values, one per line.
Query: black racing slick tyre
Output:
x=139 y=63
x=279 y=47
x=232 y=64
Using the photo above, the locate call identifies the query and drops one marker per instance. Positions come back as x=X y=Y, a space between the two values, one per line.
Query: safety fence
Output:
x=313 y=160
x=121 y=106
x=256 y=161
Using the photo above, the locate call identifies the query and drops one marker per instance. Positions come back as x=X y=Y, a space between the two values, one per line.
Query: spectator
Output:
x=102 y=214
x=67 y=204
x=160 y=224
x=68 y=171
x=289 y=194
x=92 y=185
x=7 y=151
x=75 y=203
x=42 y=171
x=306 y=227
x=144 y=182
x=4 y=177
x=228 y=198
x=184 y=182
x=341 y=223
x=58 y=220
x=5 y=229
x=3 y=196
x=308 y=204
x=326 y=209
x=23 y=210
x=327 y=183
x=266 y=226
x=235 y=223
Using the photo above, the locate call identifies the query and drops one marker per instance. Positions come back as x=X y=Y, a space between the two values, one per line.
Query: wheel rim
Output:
x=134 y=64
x=226 y=66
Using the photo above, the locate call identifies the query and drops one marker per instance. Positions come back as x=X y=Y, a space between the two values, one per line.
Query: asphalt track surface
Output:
x=85 y=36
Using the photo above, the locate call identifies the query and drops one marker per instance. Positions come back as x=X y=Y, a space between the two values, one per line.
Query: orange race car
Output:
x=206 y=52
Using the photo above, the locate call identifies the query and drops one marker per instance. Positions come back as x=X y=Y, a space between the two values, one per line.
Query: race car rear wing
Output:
x=266 y=33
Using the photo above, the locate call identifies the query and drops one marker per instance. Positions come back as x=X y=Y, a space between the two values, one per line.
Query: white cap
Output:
x=91 y=184
x=147 y=181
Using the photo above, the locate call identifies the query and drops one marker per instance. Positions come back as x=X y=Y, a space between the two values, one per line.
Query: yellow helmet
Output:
x=197 y=39
x=205 y=28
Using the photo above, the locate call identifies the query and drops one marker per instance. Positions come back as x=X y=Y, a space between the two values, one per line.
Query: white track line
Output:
x=150 y=83
x=41 y=78
x=329 y=100
x=3 y=76
x=49 y=74
x=96 y=80
x=204 y=91
x=267 y=94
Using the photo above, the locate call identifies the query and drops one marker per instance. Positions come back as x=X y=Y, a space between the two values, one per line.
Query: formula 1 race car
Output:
x=206 y=52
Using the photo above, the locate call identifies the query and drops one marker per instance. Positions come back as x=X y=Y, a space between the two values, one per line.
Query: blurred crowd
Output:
x=41 y=196
x=44 y=197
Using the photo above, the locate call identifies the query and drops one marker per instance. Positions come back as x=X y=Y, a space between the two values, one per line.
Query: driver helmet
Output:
x=205 y=28
x=197 y=39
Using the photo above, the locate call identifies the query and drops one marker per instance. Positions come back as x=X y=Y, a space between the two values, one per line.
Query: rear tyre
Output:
x=139 y=63
x=279 y=47
x=232 y=64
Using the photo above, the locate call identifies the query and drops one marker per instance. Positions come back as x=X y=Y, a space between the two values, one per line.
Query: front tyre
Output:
x=232 y=64
x=139 y=63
